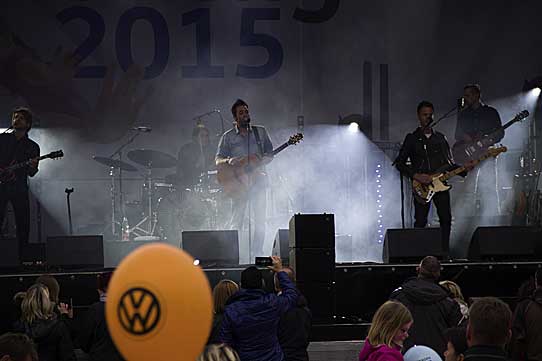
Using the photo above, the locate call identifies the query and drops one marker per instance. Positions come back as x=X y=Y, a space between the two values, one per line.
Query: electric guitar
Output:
x=7 y=174
x=423 y=193
x=465 y=151
x=240 y=177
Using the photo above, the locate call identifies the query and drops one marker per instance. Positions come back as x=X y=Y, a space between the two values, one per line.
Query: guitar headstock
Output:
x=296 y=138
x=55 y=155
x=493 y=152
x=521 y=115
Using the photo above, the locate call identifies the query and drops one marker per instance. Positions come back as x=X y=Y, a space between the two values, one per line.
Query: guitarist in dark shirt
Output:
x=429 y=153
x=474 y=122
x=235 y=145
x=16 y=147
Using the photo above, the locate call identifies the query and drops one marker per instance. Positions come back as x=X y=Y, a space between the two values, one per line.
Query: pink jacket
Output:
x=380 y=353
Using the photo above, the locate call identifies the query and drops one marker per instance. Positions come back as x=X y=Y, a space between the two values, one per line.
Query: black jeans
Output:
x=444 y=211
x=18 y=197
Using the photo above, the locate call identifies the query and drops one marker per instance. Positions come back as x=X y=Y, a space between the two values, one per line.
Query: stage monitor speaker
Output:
x=75 y=251
x=413 y=244
x=506 y=243
x=212 y=248
x=9 y=257
x=115 y=251
x=313 y=264
x=312 y=231
x=281 y=246
x=321 y=300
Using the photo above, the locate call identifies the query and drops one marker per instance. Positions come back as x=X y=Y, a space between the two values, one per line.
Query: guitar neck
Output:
x=280 y=149
x=25 y=163
x=462 y=169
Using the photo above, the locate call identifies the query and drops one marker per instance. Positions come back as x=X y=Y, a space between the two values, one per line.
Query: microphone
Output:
x=142 y=129
x=461 y=103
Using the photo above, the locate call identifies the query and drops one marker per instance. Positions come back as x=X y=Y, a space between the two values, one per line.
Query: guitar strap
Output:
x=258 y=140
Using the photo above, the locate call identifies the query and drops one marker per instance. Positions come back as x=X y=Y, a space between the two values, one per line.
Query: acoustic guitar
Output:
x=240 y=177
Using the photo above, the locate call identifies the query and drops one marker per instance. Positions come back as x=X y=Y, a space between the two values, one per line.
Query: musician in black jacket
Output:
x=475 y=121
x=429 y=153
x=16 y=147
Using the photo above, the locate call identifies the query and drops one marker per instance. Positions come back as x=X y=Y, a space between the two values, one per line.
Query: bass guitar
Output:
x=240 y=177
x=423 y=193
x=465 y=151
x=7 y=174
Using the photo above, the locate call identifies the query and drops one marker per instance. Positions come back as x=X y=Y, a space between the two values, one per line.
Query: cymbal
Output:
x=152 y=158
x=115 y=163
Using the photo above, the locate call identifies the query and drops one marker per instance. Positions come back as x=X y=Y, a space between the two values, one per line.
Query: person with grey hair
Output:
x=431 y=306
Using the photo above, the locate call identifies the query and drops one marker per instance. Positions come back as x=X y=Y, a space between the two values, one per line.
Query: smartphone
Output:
x=264 y=261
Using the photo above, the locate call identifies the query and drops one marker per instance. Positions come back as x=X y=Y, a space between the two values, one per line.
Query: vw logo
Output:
x=138 y=311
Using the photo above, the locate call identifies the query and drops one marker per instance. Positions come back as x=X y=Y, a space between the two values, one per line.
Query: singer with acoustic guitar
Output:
x=16 y=148
x=429 y=154
x=246 y=146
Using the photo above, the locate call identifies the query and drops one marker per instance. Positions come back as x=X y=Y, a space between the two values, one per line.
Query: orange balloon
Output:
x=159 y=305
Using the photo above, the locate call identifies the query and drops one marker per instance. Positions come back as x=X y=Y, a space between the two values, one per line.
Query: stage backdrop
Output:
x=93 y=70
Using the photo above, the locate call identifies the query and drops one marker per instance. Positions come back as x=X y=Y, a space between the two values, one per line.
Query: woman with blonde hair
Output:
x=455 y=292
x=40 y=323
x=388 y=331
x=221 y=293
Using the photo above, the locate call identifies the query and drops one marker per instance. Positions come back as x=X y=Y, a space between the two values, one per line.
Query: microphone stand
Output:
x=448 y=114
x=68 y=192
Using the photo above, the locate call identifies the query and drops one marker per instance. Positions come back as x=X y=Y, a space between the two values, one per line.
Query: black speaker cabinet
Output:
x=75 y=251
x=321 y=300
x=506 y=243
x=9 y=256
x=281 y=246
x=312 y=231
x=313 y=264
x=212 y=248
x=413 y=244
x=115 y=251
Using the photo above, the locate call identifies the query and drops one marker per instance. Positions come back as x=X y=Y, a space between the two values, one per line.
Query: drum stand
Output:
x=150 y=219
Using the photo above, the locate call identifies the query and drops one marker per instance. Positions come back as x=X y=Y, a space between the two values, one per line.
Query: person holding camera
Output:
x=251 y=317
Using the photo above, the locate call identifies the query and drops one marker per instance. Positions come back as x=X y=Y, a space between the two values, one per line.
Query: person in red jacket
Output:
x=389 y=329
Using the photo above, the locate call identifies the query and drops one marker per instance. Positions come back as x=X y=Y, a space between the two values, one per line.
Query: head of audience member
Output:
x=218 y=352
x=453 y=289
x=456 y=339
x=52 y=286
x=291 y=276
x=429 y=269
x=489 y=323
x=17 y=347
x=526 y=289
x=102 y=283
x=251 y=278
x=36 y=304
x=390 y=325
x=221 y=293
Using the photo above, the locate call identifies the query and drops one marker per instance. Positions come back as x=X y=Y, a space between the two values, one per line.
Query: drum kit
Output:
x=166 y=206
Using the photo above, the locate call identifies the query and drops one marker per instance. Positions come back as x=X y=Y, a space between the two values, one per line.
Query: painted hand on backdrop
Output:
x=49 y=87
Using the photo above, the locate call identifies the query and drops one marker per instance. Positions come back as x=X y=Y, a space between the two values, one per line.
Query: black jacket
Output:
x=526 y=329
x=214 y=337
x=479 y=122
x=52 y=339
x=427 y=155
x=294 y=331
x=94 y=336
x=485 y=353
x=433 y=312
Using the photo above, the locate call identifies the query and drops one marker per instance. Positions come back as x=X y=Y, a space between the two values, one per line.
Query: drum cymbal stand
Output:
x=150 y=219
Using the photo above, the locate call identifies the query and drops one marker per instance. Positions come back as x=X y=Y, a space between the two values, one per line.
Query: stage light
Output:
x=353 y=127
x=536 y=91
x=532 y=84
